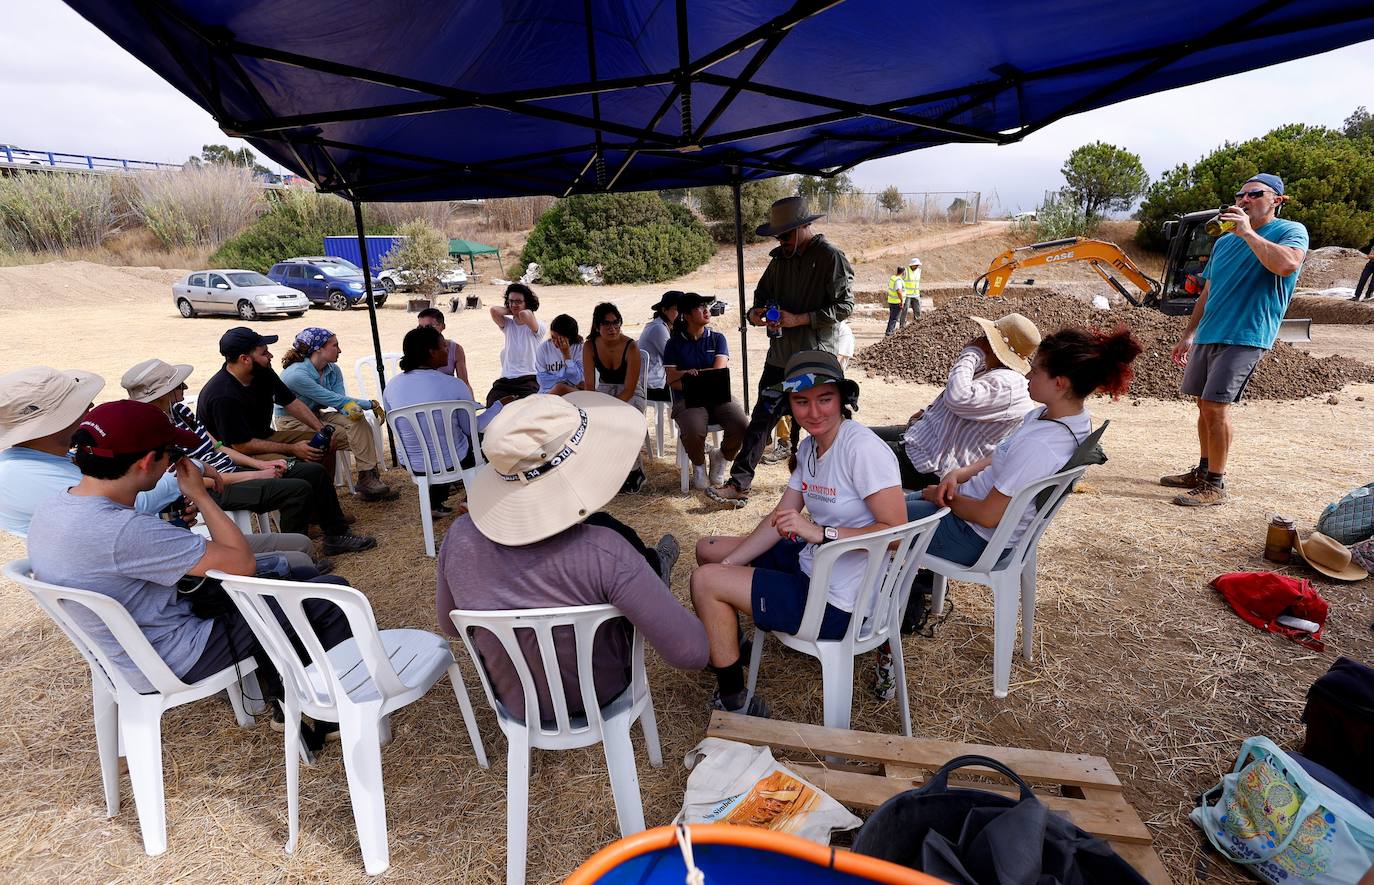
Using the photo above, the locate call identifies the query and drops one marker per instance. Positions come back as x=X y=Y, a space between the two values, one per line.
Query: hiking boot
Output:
x=1205 y=494
x=728 y=493
x=757 y=706
x=439 y=511
x=719 y=466
x=371 y=487
x=780 y=451
x=668 y=551
x=1190 y=479
x=336 y=544
x=699 y=477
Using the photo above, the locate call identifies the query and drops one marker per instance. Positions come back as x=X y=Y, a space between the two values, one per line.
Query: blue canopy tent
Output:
x=452 y=99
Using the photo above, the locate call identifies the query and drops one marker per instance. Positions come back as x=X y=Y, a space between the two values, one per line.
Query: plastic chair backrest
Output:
x=435 y=427
x=886 y=573
x=59 y=603
x=365 y=369
x=540 y=623
x=1058 y=485
x=251 y=596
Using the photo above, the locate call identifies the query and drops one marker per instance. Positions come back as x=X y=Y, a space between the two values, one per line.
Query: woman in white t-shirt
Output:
x=515 y=317
x=847 y=480
x=1068 y=367
x=558 y=361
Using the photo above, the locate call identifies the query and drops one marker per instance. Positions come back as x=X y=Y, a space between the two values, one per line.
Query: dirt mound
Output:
x=80 y=283
x=1323 y=309
x=924 y=350
x=1331 y=266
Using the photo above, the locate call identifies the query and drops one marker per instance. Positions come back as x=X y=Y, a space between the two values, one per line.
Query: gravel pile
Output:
x=924 y=350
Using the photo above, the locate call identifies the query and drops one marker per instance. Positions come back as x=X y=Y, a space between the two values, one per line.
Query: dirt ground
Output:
x=1137 y=659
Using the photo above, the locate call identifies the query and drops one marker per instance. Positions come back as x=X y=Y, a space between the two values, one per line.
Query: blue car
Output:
x=330 y=281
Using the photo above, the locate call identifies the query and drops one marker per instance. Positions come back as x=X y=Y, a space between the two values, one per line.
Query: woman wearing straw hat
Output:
x=848 y=482
x=534 y=538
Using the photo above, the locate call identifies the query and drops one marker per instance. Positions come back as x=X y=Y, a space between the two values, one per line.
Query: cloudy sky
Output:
x=64 y=86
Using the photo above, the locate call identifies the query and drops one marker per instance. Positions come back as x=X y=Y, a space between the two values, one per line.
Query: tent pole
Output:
x=743 y=311
x=372 y=313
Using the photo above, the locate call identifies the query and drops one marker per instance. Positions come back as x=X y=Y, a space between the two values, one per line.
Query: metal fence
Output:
x=16 y=156
x=926 y=207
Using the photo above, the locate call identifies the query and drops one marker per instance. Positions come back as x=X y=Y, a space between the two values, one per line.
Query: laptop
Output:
x=709 y=387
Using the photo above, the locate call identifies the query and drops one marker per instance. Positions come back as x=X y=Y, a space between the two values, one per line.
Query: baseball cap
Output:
x=127 y=427
x=690 y=301
x=669 y=299
x=152 y=378
x=240 y=340
x=39 y=401
x=1273 y=182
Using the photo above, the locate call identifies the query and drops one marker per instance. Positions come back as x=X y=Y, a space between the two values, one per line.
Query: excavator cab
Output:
x=1190 y=248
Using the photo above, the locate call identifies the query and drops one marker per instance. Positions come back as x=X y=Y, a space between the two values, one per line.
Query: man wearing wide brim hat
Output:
x=534 y=538
x=984 y=400
x=1330 y=557
x=39 y=410
x=806 y=291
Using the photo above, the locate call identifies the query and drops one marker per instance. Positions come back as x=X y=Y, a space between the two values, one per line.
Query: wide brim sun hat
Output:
x=39 y=401
x=784 y=215
x=1013 y=339
x=1330 y=557
x=552 y=461
x=811 y=368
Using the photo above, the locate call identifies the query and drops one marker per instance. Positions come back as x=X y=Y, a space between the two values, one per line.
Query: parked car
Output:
x=326 y=281
x=244 y=292
x=397 y=278
x=13 y=154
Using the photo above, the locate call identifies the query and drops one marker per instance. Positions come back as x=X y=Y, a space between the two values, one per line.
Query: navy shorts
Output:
x=778 y=593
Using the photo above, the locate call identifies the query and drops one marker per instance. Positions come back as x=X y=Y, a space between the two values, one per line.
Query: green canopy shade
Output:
x=460 y=248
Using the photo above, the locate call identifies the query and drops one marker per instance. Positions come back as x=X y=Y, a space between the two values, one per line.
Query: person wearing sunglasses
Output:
x=1249 y=282
x=611 y=364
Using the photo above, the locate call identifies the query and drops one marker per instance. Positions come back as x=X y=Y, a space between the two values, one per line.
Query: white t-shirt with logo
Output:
x=834 y=487
x=1034 y=450
x=517 y=357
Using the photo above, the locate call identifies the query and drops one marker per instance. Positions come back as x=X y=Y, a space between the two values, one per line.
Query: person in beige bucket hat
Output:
x=1330 y=557
x=534 y=537
x=40 y=408
x=984 y=400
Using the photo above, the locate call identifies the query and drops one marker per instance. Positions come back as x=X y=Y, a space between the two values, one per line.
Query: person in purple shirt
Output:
x=529 y=542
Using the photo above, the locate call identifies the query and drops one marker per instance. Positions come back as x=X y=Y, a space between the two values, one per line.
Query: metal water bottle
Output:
x=322 y=437
x=1279 y=539
x=773 y=316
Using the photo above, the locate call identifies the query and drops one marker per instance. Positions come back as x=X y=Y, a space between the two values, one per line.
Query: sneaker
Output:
x=757 y=705
x=719 y=466
x=1205 y=494
x=728 y=493
x=634 y=482
x=780 y=451
x=699 y=477
x=668 y=552
x=1190 y=479
x=336 y=544
x=884 y=679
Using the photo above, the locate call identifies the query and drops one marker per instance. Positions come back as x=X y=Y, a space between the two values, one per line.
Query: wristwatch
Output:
x=829 y=533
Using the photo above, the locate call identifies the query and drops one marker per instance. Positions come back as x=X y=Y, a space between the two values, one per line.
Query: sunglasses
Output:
x=1254 y=195
x=607 y=323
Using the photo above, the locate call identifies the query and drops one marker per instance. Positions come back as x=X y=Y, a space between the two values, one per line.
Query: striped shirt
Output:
x=970 y=417
x=209 y=451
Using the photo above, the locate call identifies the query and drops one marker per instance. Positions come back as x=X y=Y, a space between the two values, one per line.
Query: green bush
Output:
x=40 y=212
x=1060 y=217
x=718 y=206
x=423 y=254
x=1329 y=176
x=296 y=224
x=636 y=238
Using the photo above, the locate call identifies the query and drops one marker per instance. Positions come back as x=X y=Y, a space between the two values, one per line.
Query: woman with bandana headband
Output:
x=310 y=369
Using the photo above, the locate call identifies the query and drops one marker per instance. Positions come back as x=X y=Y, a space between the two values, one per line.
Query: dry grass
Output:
x=1136 y=658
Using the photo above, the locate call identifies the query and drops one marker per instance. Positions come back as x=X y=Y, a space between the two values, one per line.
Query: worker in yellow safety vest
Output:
x=911 y=288
x=896 y=289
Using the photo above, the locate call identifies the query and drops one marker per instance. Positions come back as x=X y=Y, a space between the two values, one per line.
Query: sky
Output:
x=65 y=86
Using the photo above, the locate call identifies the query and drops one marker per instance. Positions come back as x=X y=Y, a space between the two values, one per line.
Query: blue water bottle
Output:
x=773 y=316
x=322 y=437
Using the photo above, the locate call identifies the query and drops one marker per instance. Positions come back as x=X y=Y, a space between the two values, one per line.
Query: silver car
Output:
x=244 y=292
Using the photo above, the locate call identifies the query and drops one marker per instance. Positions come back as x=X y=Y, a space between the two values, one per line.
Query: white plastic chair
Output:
x=128 y=723
x=441 y=465
x=526 y=729
x=365 y=370
x=662 y=412
x=877 y=617
x=1009 y=573
x=357 y=684
x=684 y=464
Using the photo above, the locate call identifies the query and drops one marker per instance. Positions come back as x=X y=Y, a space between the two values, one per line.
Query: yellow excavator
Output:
x=1107 y=259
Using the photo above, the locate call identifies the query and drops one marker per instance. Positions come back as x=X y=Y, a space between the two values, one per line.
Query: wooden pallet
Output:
x=1089 y=791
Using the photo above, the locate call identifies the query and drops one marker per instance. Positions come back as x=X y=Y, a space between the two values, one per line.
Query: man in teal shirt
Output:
x=1249 y=281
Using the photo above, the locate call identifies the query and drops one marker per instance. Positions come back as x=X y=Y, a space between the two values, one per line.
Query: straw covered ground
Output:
x=1136 y=658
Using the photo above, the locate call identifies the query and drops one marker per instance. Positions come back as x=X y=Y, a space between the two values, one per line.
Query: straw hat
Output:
x=152 y=378
x=552 y=461
x=1013 y=338
x=784 y=215
x=1330 y=557
x=38 y=401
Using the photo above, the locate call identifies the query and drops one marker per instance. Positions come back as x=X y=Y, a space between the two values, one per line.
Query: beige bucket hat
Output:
x=1013 y=338
x=1330 y=557
x=152 y=378
x=39 y=401
x=552 y=461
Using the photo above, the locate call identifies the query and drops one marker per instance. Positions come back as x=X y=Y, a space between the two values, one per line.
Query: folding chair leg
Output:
x=460 y=691
x=106 y=711
x=362 y=752
x=141 y=725
x=648 y=723
x=1005 y=596
x=517 y=805
x=894 y=644
x=620 y=763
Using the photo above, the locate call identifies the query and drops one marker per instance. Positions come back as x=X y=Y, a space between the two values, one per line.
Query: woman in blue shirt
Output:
x=694 y=348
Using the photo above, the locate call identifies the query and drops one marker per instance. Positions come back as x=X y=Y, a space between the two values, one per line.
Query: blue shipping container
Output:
x=347 y=249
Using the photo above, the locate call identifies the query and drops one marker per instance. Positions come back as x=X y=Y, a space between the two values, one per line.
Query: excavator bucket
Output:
x=1295 y=331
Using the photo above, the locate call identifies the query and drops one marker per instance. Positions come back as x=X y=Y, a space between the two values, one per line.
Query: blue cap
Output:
x=1272 y=181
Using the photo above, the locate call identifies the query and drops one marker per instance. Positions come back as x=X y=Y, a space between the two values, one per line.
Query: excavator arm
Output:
x=1105 y=258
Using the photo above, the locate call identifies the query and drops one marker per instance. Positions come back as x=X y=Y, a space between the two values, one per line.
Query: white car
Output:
x=244 y=292
x=394 y=278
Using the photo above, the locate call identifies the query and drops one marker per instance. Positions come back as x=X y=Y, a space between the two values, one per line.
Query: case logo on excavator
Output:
x=1064 y=257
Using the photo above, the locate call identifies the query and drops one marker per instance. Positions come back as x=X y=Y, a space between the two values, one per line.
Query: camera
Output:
x=718 y=307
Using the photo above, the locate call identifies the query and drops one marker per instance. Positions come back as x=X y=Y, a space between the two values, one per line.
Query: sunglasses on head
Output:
x=1254 y=195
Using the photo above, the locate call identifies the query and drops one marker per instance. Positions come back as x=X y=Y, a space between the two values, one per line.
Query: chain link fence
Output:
x=925 y=207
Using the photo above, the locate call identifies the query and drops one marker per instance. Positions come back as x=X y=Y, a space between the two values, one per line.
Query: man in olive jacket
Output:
x=811 y=285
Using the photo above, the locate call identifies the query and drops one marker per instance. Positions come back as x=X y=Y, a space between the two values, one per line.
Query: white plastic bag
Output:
x=735 y=783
